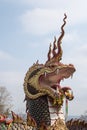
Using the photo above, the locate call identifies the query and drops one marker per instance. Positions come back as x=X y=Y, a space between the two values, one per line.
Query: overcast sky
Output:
x=26 y=29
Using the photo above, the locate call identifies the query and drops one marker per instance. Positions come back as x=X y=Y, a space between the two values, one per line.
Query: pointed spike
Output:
x=16 y=118
x=31 y=121
x=59 y=54
x=54 y=47
x=55 y=55
x=50 y=52
x=54 y=39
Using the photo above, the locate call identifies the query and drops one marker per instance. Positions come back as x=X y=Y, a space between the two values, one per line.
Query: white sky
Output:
x=26 y=29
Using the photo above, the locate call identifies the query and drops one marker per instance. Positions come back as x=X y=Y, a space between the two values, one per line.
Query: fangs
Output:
x=71 y=76
x=45 y=74
x=57 y=71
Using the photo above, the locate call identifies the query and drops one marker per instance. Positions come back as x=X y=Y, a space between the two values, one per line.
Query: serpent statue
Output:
x=44 y=95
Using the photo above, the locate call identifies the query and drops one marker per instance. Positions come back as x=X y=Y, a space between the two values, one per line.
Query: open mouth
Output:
x=53 y=79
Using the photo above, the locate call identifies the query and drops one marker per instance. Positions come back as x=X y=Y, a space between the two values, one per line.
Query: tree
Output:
x=5 y=101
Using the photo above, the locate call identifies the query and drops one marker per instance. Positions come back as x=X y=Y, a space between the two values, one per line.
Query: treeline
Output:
x=5 y=101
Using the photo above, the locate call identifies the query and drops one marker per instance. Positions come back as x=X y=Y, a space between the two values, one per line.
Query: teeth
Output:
x=45 y=74
x=57 y=71
x=71 y=76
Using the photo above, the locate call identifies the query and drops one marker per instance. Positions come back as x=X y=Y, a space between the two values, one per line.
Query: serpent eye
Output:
x=52 y=66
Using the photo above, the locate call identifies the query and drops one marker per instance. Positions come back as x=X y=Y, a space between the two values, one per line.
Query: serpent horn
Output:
x=55 y=54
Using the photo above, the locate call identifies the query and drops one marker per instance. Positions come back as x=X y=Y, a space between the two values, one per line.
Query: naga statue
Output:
x=44 y=95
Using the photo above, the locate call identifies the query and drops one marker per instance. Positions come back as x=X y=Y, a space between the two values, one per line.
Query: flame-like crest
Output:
x=55 y=54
